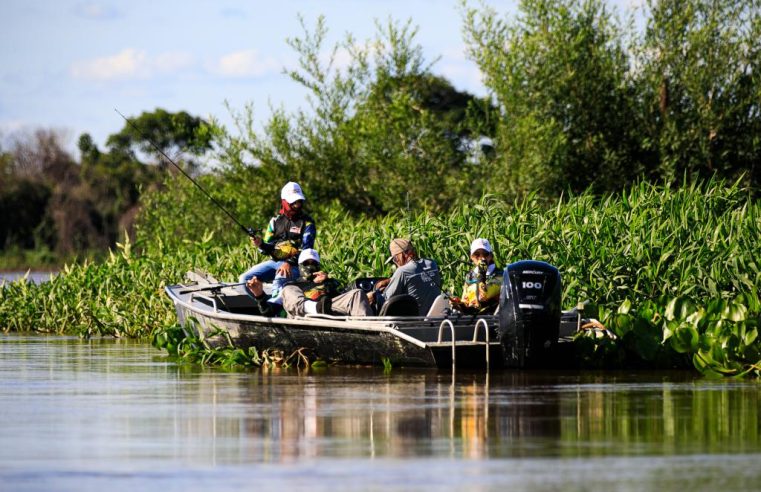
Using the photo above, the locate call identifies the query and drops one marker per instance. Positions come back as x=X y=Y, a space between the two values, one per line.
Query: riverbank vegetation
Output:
x=674 y=274
x=629 y=159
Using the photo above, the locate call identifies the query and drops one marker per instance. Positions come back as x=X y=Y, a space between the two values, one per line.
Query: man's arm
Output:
x=267 y=244
x=396 y=285
x=307 y=237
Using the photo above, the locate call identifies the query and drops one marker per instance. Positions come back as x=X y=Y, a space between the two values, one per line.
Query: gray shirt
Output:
x=419 y=278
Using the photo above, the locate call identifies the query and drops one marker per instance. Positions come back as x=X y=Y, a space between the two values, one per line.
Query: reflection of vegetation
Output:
x=679 y=418
x=511 y=414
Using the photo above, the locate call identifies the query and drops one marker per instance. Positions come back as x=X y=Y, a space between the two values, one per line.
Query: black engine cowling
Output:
x=529 y=312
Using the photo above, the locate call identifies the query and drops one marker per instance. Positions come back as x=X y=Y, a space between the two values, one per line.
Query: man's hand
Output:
x=256 y=241
x=319 y=277
x=284 y=270
x=380 y=285
x=255 y=286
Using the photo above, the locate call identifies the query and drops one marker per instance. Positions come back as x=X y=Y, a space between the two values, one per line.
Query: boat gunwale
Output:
x=392 y=325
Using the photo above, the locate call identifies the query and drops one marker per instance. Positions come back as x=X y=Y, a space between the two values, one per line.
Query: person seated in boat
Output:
x=314 y=292
x=291 y=231
x=480 y=293
x=418 y=277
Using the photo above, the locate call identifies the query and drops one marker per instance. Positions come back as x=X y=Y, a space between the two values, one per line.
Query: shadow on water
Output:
x=106 y=405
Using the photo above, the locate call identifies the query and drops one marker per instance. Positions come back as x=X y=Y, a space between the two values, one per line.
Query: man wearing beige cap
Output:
x=418 y=277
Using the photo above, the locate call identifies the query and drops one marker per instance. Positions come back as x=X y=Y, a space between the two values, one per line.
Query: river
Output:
x=118 y=415
x=35 y=277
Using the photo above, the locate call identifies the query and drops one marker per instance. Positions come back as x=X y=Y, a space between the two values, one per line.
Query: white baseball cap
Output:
x=309 y=254
x=291 y=192
x=480 y=244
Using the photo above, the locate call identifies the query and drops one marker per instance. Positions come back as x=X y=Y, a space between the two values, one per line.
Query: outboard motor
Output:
x=529 y=312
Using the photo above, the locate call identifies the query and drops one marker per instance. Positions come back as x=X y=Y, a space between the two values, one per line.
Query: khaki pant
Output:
x=352 y=303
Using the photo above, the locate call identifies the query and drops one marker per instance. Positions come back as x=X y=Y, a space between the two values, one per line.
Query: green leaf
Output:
x=750 y=336
x=625 y=307
x=679 y=308
x=735 y=312
x=685 y=338
x=704 y=367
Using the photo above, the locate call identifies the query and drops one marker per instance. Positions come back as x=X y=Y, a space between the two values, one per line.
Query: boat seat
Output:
x=400 y=305
x=440 y=307
x=367 y=284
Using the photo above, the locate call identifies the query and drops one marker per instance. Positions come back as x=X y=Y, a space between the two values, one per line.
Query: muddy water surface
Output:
x=115 y=415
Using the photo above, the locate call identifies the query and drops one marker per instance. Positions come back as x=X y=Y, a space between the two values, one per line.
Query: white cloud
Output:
x=95 y=10
x=462 y=72
x=247 y=63
x=127 y=64
x=130 y=64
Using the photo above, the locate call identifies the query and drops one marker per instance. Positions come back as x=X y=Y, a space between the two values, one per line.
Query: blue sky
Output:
x=66 y=64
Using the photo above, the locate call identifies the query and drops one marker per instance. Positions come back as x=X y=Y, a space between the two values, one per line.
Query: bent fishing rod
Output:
x=248 y=230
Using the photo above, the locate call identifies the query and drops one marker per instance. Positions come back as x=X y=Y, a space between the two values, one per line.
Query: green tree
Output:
x=701 y=87
x=173 y=133
x=558 y=73
x=111 y=184
x=382 y=127
x=37 y=173
x=116 y=178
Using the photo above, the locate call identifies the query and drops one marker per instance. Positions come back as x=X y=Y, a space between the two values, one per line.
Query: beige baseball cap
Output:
x=398 y=246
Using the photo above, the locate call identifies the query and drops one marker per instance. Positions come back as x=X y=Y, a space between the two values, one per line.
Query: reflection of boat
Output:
x=525 y=331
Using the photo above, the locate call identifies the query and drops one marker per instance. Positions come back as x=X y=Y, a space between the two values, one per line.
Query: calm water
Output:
x=35 y=277
x=114 y=415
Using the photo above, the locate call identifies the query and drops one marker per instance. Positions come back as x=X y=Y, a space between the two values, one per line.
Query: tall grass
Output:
x=631 y=254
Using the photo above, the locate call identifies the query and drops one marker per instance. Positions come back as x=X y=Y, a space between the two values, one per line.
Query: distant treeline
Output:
x=578 y=100
x=51 y=203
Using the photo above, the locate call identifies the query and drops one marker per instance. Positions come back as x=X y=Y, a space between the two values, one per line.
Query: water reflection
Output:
x=104 y=404
x=282 y=416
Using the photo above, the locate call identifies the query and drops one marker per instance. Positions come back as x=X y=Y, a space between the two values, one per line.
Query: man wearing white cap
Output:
x=314 y=292
x=480 y=294
x=287 y=234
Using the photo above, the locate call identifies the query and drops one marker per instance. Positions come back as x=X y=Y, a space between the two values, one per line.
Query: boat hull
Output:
x=412 y=342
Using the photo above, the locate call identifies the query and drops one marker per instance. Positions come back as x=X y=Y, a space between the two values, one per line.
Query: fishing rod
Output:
x=409 y=217
x=212 y=287
x=248 y=230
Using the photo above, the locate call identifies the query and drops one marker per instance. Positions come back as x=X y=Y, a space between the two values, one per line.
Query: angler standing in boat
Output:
x=480 y=294
x=418 y=277
x=287 y=234
x=314 y=292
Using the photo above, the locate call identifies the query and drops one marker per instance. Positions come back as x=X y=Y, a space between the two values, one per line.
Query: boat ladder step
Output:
x=454 y=343
x=460 y=343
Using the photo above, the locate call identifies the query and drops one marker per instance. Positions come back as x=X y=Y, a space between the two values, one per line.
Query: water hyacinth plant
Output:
x=674 y=274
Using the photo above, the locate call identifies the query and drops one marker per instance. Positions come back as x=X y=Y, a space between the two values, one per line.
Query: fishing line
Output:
x=248 y=230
